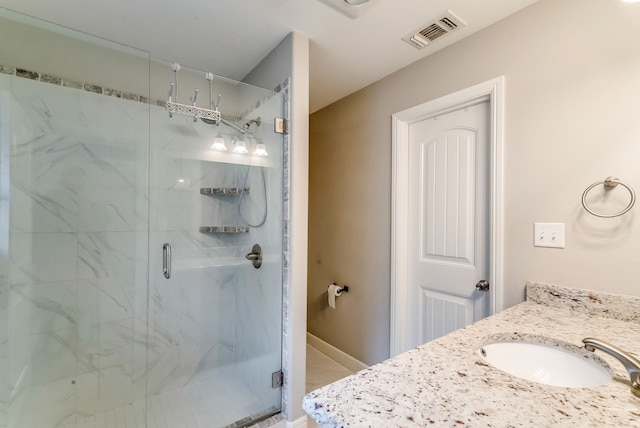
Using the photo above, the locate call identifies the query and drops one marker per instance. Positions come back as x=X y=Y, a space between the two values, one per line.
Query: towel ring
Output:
x=609 y=183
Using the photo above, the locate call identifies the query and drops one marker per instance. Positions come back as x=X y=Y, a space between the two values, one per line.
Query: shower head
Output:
x=210 y=121
x=257 y=121
x=242 y=130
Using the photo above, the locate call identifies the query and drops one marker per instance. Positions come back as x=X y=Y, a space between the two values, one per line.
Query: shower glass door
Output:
x=95 y=178
x=215 y=321
x=74 y=136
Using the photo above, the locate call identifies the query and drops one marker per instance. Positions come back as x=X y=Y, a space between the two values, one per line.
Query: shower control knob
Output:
x=255 y=256
x=482 y=285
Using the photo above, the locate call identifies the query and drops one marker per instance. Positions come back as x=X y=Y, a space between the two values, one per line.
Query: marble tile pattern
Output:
x=77 y=266
x=212 y=404
x=87 y=222
x=216 y=310
x=258 y=324
x=446 y=383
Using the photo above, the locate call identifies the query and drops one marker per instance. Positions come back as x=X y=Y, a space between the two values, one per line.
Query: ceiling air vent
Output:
x=433 y=30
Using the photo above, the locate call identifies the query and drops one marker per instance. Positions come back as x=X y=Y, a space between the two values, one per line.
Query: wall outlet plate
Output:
x=550 y=235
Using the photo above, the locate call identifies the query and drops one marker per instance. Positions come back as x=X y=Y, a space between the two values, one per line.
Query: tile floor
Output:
x=321 y=371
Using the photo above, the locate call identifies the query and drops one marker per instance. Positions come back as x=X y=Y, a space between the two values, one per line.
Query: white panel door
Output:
x=448 y=214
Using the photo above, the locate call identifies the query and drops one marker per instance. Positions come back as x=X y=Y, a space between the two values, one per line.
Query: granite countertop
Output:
x=446 y=383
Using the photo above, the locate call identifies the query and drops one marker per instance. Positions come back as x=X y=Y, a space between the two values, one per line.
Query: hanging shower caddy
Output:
x=210 y=116
x=192 y=110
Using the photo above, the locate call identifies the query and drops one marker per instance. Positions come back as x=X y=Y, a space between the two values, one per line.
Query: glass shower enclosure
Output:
x=128 y=292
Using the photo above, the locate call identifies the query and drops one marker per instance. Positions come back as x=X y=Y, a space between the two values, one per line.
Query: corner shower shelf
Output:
x=224 y=229
x=230 y=191
x=224 y=191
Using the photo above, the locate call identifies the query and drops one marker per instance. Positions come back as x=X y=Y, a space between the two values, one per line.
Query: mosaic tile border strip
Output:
x=285 y=88
x=223 y=229
x=96 y=89
x=230 y=191
x=60 y=81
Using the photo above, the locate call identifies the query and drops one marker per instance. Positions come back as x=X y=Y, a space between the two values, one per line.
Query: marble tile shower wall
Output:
x=82 y=226
x=258 y=321
x=217 y=315
x=78 y=253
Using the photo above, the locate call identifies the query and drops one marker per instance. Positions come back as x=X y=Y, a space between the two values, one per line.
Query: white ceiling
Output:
x=230 y=37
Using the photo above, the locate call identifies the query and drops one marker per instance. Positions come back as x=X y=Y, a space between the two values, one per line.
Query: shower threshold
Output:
x=215 y=403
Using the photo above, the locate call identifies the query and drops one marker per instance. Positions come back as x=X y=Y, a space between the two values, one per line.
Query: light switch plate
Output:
x=549 y=235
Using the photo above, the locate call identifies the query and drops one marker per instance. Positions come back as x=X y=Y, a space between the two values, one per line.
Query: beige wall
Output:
x=572 y=70
x=47 y=48
x=50 y=49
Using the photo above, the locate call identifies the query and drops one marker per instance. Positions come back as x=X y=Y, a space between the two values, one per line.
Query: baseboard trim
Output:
x=335 y=354
x=298 y=423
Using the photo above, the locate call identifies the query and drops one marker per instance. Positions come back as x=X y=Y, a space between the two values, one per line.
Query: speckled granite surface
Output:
x=446 y=383
x=625 y=308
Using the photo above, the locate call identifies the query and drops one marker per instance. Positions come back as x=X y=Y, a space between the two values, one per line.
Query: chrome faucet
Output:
x=631 y=363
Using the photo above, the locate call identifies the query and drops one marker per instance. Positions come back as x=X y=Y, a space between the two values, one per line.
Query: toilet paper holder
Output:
x=342 y=289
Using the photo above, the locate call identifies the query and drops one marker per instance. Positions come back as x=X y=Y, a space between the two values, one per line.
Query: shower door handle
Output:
x=166 y=260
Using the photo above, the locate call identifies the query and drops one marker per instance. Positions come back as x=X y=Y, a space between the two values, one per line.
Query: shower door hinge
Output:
x=277 y=379
x=280 y=125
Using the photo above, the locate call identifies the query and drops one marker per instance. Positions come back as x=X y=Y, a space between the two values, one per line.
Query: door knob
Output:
x=482 y=285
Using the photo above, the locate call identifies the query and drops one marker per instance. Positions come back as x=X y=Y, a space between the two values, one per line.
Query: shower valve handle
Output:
x=255 y=256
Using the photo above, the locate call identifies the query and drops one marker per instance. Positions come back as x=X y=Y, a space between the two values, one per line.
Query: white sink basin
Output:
x=547 y=364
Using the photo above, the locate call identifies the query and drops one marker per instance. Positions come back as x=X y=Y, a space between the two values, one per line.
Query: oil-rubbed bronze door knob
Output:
x=482 y=285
